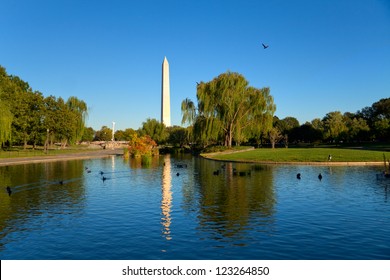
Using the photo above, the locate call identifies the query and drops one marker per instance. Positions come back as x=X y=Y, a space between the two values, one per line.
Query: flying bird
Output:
x=265 y=46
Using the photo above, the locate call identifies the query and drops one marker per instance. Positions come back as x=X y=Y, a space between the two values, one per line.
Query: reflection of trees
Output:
x=229 y=201
x=36 y=190
x=136 y=163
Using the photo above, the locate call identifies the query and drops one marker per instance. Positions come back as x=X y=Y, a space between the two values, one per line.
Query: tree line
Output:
x=174 y=136
x=228 y=111
x=371 y=123
x=29 y=118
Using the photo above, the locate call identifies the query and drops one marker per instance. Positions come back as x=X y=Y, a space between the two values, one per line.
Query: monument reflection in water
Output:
x=166 y=200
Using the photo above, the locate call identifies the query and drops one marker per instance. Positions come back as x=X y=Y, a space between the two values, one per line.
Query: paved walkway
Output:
x=71 y=156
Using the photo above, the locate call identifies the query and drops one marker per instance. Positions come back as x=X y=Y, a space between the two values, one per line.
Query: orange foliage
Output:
x=142 y=146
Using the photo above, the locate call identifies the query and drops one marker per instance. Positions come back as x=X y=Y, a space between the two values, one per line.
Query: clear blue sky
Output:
x=323 y=56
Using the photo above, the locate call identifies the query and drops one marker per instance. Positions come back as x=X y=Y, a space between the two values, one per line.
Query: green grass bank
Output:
x=19 y=153
x=303 y=156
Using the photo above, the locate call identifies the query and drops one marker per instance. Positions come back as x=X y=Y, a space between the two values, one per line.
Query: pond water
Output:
x=182 y=208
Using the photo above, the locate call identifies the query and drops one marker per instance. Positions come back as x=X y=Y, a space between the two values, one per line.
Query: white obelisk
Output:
x=165 y=95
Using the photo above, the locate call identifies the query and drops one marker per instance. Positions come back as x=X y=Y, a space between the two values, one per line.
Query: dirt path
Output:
x=71 y=156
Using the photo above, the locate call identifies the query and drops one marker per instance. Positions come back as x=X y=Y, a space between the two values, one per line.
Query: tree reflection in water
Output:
x=230 y=204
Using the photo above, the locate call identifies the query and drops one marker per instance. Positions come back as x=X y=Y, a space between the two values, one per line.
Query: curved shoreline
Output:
x=116 y=152
x=313 y=163
x=70 y=156
x=334 y=163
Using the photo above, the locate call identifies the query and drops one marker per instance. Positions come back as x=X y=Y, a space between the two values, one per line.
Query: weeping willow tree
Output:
x=6 y=117
x=79 y=109
x=228 y=108
x=5 y=123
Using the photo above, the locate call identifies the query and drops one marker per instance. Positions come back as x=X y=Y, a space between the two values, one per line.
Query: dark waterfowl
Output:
x=299 y=176
x=320 y=177
x=244 y=173
x=9 y=191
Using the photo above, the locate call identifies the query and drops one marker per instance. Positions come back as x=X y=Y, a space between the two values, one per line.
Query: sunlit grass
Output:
x=305 y=155
x=19 y=152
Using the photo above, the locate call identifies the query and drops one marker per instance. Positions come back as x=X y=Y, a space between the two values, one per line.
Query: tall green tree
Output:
x=59 y=120
x=124 y=135
x=88 y=135
x=334 y=125
x=274 y=136
x=228 y=105
x=104 y=134
x=318 y=124
x=287 y=124
x=378 y=118
x=155 y=129
x=178 y=136
x=189 y=112
x=5 y=123
x=34 y=115
x=80 y=111
x=305 y=133
x=357 y=128
x=26 y=106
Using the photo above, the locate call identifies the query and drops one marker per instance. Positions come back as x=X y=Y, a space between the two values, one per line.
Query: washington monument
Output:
x=165 y=95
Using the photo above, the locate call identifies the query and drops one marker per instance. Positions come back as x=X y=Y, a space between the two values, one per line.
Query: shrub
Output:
x=142 y=146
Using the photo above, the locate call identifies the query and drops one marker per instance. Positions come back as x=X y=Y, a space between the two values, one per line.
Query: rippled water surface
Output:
x=183 y=208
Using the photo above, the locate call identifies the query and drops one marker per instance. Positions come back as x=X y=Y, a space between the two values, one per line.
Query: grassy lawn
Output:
x=305 y=155
x=19 y=152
